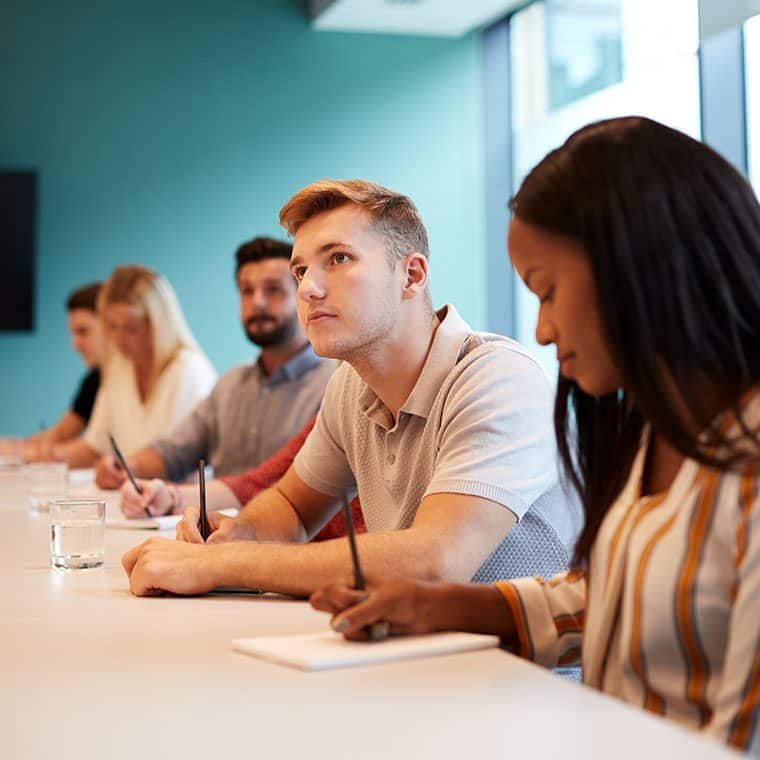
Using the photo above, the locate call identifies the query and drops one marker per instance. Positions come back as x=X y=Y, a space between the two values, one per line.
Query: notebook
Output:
x=327 y=650
x=164 y=522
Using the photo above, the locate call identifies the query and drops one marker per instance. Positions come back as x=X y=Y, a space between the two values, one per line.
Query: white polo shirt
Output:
x=477 y=422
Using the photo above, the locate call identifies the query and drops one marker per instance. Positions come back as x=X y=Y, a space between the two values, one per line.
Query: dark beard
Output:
x=278 y=336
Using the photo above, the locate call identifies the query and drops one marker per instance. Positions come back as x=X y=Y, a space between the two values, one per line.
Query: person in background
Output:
x=445 y=432
x=642 y=246
x=153 y=371
x=159 y=497
x=255 y=408
x=84 y=329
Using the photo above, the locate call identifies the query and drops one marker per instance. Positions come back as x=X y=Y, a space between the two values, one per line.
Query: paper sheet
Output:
x=165 y=522
x=326 y=650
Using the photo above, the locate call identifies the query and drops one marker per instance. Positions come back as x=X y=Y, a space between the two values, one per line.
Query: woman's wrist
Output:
x=470 y=607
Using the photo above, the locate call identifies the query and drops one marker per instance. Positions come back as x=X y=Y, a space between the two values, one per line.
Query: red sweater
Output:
x=247 y=485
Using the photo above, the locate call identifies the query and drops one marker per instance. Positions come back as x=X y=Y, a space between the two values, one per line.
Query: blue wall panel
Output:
x=167 y=133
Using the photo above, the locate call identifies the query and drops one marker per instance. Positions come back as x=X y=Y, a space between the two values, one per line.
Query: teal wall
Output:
x=166 y=133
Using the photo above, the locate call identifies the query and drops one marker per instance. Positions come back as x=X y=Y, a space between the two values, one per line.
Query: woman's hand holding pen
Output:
x=155 y=498
x=413 y=607
x=223 y=529
x=407 y=606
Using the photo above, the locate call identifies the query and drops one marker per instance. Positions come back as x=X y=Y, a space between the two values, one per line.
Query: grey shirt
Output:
x=247 y=417
x=477 y=422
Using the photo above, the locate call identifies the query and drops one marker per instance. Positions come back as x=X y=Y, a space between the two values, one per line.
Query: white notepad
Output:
x=327 y=650
x=164 y=522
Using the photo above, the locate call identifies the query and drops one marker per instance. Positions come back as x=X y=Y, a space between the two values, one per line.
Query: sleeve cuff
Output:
x=509 y=499
x=534 y=623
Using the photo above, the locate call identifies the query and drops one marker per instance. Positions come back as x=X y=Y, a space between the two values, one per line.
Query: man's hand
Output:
x=108 y=473
x=407 y=606
x=155 y=498
x=160 y=565
x=223 y=529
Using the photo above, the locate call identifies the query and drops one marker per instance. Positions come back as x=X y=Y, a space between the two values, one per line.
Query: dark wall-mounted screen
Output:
x=18 y=212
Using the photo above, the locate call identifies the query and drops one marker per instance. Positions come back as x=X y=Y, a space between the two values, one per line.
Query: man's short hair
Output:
x=393 y=216
x=261 y=248
x=85 y=297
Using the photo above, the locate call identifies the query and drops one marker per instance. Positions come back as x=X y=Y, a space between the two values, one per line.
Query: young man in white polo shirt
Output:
x=446 y=433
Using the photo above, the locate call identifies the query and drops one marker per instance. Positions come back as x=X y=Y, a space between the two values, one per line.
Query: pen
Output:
x=377 y=631
x=203 y=525
x=125 y=467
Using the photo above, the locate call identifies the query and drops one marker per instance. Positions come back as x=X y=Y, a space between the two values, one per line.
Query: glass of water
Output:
x=77 y=533
x=47 y=481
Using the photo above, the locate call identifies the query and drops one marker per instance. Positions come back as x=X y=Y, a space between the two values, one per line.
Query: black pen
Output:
x=203 y=525
x=125 y=467
x=377 y=631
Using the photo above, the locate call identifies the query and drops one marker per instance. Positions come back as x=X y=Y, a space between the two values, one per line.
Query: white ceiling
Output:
x=445 y=18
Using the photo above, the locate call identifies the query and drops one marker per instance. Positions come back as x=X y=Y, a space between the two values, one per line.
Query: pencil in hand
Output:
x=203 y=526
x=124 y=466
x=377 y=631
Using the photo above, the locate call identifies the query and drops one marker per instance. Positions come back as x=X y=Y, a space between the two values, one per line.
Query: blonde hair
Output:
x=393 y=216
x=147 y=291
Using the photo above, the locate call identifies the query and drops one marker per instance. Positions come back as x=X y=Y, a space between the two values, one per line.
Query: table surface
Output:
x=89 y=670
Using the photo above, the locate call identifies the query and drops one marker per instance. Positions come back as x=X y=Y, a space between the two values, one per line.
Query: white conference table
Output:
x=89 y=671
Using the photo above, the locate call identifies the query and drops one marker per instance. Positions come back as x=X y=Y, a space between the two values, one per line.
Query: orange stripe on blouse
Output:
x=650 y=505
x=570 y=623
x=569 y=577
x=616 y=538
x=518 y=616
x=748 y=496
x=696 y=661
x=742 y=727
x=652 y=701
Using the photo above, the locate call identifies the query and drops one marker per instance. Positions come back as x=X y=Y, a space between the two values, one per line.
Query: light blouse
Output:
x=119 y=410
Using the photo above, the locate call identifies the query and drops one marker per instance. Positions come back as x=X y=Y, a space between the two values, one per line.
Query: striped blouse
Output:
x=668 y=615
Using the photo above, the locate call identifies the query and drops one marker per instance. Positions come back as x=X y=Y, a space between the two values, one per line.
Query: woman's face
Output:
x=129 y=330
x=556 y=269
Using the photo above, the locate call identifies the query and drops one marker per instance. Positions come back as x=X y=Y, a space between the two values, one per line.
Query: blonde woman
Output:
x=154 y=372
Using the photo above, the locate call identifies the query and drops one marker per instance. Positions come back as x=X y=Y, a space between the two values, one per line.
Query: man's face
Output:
x=268 y=302
x=349 y=296
x=85 y=335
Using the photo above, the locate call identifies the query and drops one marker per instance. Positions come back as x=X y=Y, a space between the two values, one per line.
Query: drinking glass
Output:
x=77 y=533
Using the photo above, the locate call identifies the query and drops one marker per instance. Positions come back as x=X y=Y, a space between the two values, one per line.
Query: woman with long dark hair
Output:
x=643 y=248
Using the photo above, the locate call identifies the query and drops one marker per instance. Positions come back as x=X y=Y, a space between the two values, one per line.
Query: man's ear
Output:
x=415 y=274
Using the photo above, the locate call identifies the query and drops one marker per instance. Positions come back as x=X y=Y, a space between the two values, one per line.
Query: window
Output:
x=577 y=61
x=752 y=84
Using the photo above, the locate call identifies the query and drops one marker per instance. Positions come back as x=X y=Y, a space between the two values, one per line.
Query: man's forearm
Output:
x=69 y=426
x=75 y=453
x=147 y=463
x=271 y=517
x=219 y=496
x=300 y=570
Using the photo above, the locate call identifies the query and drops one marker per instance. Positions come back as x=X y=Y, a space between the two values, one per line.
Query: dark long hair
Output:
x=672 y=234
